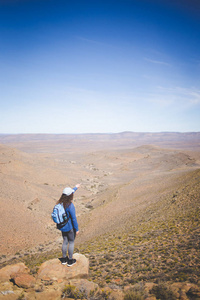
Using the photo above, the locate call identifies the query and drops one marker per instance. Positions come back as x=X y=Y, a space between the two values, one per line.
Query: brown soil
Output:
x=120 y=177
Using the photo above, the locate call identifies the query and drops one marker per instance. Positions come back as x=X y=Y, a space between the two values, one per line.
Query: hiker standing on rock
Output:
x=69 y=224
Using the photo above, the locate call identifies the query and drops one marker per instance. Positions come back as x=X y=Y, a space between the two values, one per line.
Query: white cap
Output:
x=68 y=191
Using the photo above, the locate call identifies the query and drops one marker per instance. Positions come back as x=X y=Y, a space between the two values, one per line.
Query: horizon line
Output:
x=99 y=133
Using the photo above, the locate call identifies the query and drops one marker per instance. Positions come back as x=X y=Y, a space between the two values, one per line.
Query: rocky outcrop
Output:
x=10 y=271
x=24 y=280
x=54 y=270
x=54 y=281
x=48 y=283
x=84 y=285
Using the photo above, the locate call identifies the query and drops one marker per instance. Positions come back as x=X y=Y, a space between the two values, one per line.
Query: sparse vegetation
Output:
x=164 y=247
x=21 y=297
x=158 y=243
x=162 y=291
x=73 y=292
x=135 y=293
x=100 y=295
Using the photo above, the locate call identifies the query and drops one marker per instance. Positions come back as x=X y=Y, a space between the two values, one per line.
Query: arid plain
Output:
x=121 y=175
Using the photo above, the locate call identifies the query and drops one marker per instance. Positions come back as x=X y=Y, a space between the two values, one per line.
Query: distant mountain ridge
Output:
x=96 y=141
x=127 y=134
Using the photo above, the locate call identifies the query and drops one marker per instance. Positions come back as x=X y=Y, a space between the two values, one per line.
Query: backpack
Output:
x=59 y=216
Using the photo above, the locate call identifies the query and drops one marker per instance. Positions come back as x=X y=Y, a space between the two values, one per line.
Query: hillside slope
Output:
x=161 y=243
x=158 y=244
x=117 y=186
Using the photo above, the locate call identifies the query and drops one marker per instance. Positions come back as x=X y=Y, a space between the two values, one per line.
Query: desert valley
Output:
x=137 y=207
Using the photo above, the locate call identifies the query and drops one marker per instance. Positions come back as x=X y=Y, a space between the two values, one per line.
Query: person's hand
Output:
x=77 y=232
x=78 y=185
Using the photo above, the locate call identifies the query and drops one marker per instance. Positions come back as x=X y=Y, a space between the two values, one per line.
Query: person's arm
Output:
x=73 y=217
x=76 y=187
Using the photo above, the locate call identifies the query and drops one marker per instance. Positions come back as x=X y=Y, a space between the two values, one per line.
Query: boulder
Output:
x=185 y=290
x=193 y=292
x=10 y=271
x=54 y=270
x=24 y=280
x=84 y=285
x=148 y=286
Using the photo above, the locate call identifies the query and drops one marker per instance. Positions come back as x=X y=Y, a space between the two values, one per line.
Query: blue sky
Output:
x=99 y=66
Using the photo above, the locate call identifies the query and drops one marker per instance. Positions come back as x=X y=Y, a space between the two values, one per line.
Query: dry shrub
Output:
x=162 y=291
x=71 y=291
x=137 y=292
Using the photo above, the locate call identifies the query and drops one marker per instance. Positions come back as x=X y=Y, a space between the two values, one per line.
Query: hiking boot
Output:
x=64 y=260
x=71 y=262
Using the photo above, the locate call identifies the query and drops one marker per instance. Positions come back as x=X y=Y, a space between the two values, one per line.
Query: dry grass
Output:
x=162 y=246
